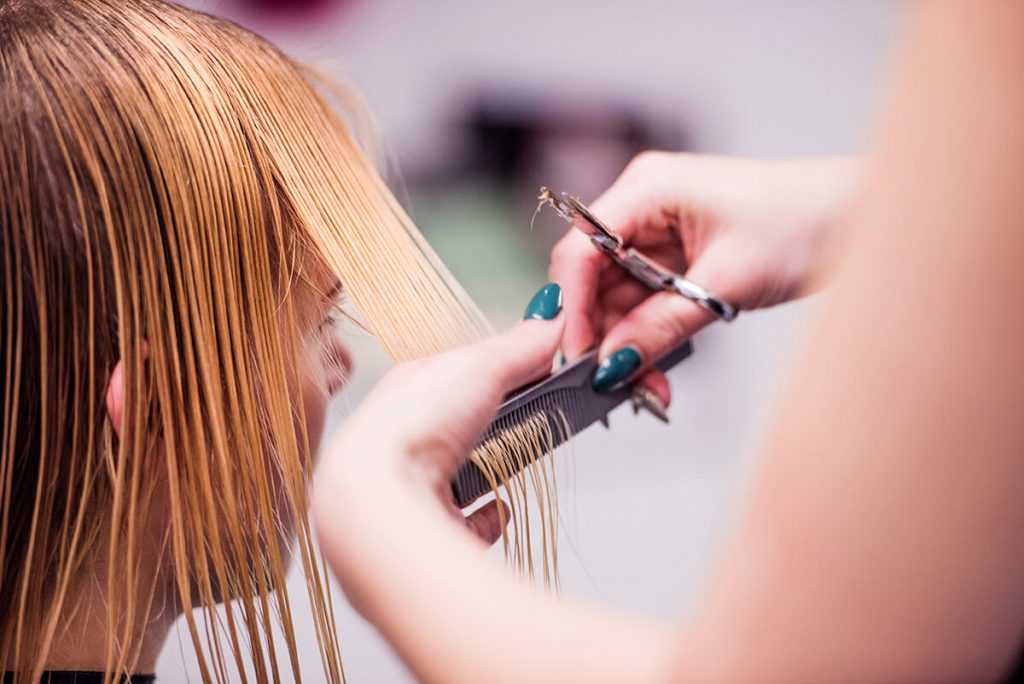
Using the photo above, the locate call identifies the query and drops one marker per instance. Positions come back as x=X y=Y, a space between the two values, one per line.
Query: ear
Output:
x=115 y=398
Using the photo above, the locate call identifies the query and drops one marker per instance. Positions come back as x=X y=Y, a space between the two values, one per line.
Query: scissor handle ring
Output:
x=657 y=277
x=704 y=298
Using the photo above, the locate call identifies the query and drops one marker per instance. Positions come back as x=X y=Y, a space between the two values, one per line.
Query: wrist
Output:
x=384 y=511
x=813 y=196
x=838 y=181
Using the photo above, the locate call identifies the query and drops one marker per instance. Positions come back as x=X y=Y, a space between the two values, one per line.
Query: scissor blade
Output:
x=579 y=215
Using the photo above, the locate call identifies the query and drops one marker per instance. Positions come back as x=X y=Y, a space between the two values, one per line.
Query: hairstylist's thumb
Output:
x=525 y=353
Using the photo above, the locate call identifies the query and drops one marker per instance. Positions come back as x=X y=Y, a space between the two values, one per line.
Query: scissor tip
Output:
x=647 y=400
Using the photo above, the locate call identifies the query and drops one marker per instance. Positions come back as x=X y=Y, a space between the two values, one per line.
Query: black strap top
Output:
x=82 y=677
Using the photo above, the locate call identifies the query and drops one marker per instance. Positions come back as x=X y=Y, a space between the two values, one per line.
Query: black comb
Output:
x=566 y=399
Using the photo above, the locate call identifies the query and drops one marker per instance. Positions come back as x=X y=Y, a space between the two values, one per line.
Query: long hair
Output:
x=166 y=179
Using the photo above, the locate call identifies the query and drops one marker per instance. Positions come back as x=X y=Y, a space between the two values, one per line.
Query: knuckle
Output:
x=645 y=161
x=667 y=326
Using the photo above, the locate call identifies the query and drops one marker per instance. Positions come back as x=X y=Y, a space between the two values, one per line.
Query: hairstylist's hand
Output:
x=382 y=492
x=753 y=232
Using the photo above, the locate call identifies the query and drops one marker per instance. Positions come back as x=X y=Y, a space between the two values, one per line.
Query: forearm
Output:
x=882 y=539
x=461 y=617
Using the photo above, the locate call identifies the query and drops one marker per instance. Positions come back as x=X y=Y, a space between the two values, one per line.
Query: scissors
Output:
x=566 y=399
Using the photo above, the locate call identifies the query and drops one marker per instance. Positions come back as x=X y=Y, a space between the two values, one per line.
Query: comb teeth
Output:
x=469 y=484
x=560 y=408
x=566 y=400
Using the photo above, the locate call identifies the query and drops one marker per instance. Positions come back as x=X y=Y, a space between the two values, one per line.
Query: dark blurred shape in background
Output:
x=503 y=146
x=295 y=12
x=516 y=136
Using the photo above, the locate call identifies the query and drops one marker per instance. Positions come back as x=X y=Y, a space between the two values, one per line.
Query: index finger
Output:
x=576 y=266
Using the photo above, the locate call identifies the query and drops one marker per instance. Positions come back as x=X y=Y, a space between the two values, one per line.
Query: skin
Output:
x=881 y=538
x=325 y=365
x=757 y=233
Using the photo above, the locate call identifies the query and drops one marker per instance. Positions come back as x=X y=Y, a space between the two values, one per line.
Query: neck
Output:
x=87 y=630
x=81 y=642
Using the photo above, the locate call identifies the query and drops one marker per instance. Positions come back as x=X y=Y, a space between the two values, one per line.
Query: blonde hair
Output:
x=166 y=178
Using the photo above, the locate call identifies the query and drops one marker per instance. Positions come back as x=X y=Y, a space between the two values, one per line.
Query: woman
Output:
x=881 y=540
x=179 y=206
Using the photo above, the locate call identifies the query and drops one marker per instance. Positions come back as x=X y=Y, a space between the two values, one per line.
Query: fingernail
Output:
x=545 y=305
x=619 y=365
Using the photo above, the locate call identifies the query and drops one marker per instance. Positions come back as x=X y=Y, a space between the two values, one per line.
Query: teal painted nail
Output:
x=619 y=365
x=546 y=304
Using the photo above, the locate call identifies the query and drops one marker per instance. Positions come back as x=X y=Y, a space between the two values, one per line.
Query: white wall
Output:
x=793 y=77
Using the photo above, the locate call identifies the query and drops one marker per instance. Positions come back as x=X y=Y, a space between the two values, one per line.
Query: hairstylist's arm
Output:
x=756 y=233
x=404 y=557
x=882 y=538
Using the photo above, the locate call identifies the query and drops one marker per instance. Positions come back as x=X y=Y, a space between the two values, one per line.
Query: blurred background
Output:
x=478 y=104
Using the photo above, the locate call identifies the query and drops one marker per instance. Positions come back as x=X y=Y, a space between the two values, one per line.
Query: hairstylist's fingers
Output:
x=630 y=202
x=488 y=521
x=642 y=197
x=576 y=264
x=650 y=330
x=618 y=300
x=524 y=353
x=655 y=381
